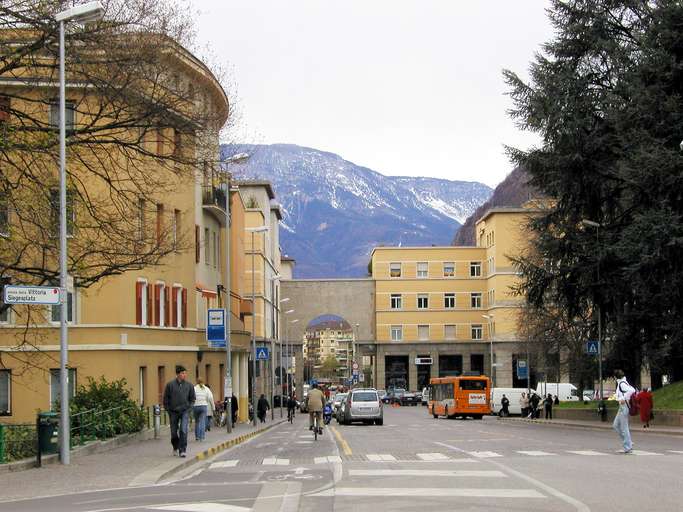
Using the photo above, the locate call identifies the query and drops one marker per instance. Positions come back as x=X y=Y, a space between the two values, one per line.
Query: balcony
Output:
x=214 y=202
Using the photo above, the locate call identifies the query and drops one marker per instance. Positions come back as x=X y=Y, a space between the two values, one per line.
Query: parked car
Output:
x=410 y=398
x=425 y=396
x=362 y=405
x=337 y=400
x=395 y=396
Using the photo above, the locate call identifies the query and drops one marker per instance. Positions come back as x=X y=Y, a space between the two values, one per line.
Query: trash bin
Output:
x=48 y=441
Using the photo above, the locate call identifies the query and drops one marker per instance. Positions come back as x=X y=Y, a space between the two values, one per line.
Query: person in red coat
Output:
x=645 y=405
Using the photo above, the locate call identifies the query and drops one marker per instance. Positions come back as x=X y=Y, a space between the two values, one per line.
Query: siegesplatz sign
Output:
x=31 y=295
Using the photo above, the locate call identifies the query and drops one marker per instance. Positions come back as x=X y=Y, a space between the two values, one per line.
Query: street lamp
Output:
x=84 y=13
x=288 y=312
x=274 y=338
x=289 y=358
x=227 y=384
x=280 y=302
x=489 y=319
x=597 y=226
x=253 y=231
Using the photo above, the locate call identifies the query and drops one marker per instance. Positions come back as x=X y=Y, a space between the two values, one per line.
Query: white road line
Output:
x=224 y=464
x=585 y=452
x=426 y=472
x=484 y=455
x=534 y=453
x=325 y=460
x=274 y=461
x=201 y=507
x=380 y=457
x=676 y=451
x=431 y=492
x=433 y=456
x=643 y=452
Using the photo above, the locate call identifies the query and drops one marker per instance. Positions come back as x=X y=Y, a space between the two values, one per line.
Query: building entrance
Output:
x=396 y=372
x=450 y=366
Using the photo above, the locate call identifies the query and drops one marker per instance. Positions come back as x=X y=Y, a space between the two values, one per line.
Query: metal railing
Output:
x=212 y=196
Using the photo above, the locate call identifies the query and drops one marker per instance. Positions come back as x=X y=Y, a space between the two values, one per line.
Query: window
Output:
x=491 y=297
x=396 y=333
x=160 y=222
x=142 y=378
x=179 y=307
x=423 y=301
x=423 y=332
x=449 y=300
x=207 y=246
x=4 y=313
x=475 y=300
x=55 y=388
x=422 y=269
x=56 y=311
x=69 y=118
x=477 y=363
x=215 y=249
x=160 y=300
x=394 y=270
x=477 y=332
x=449 y=332
x=449 y=269
x=5 y=393
x=141 y=303
x=176 y=228
x=70 y=211
x=475 y=268
x=491 y=265
x=4 y=215
x=396 y=301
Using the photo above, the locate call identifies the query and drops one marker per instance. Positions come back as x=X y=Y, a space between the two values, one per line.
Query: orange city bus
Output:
x=460 y=396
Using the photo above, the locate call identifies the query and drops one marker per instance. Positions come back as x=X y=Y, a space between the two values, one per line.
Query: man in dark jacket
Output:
x=179 y=398
x=234 y=407
x=505 y=406
x=535 y=400
x=262 y=408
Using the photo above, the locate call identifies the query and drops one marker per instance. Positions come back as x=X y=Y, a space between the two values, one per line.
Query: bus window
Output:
x=473 y=385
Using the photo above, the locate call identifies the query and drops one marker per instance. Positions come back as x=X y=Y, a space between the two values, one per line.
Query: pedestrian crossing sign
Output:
x=592 y=348
x=262 y=354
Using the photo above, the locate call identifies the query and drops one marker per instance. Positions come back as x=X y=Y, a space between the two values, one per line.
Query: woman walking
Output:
x=646 y=405
x=524 y=405
x=203 y=398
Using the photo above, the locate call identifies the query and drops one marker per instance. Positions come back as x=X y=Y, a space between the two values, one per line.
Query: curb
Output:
x=209 y=452
x=591 y=427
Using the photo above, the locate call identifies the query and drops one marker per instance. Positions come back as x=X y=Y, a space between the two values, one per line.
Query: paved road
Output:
x=413 y=462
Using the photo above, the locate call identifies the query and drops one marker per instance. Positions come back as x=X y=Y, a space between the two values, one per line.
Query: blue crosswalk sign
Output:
x=262 y=354
x=592 y=348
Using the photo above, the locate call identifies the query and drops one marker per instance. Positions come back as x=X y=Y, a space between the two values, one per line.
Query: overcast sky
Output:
x=404 y=87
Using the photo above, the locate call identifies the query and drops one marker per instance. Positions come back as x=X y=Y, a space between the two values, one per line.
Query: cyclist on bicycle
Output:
x=315 y=402
x=291 y=407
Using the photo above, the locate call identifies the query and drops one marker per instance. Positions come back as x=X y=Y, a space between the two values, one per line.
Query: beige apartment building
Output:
x=443 y=311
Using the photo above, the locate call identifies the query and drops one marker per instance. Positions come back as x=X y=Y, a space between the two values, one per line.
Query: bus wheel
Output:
x=477 y=416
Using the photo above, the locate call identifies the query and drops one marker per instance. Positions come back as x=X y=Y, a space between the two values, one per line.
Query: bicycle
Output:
x=317 y=429
x=290 y=415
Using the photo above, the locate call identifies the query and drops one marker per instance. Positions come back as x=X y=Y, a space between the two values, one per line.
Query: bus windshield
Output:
x=473 y=385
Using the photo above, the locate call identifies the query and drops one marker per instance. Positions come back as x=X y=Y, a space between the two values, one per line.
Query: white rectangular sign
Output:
x=32 y=295
x=477 y=399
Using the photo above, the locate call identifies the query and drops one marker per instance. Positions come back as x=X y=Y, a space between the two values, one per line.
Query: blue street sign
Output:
x=262 y=354
x=215 y=328
x=522 y=370
x=592 y=348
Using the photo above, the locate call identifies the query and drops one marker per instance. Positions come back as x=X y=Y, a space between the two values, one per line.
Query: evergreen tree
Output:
x=606 y=97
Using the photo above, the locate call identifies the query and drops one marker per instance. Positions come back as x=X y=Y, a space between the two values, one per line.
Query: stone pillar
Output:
x=236 y=374
x=434 y=370
x=503 y=358
x=299 y=370
x=379 y=369
x=243 y=411
x=466 y=351
x=412 y=371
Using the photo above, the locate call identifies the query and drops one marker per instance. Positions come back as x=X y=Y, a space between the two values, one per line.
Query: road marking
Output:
x=431 y=492
x=379 y=457
x=585 y=452
x=484 y=455
x=274 y=461
x=426 y=472
x=303 y=442
x=201 y=507
x=676 y=451
x=329 y=458
x=534 y=453
x=643 y=452
x=345 y=446
x=224 y=464
x=432 y=456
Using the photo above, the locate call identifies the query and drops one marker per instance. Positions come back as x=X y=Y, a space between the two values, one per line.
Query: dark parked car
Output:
x=410 y=398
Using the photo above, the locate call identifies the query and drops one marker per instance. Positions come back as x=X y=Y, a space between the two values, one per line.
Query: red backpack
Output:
x=633 y=404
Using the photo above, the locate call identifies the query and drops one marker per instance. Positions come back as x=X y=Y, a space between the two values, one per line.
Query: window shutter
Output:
x=174 y=306
x=184 y=308
x=157 y=304
x=150 y=306
x=167 y=305
x=138 y=302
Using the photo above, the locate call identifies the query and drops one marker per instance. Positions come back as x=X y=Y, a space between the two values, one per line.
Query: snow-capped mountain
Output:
x=335 y=212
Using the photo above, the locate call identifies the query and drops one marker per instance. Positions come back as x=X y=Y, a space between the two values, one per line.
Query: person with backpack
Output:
x=535 y=400
x=505 y=404
x=627 y=406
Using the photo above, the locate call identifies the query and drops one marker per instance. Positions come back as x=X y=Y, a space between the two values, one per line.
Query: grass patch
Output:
x=669 y=397
x=586 y=405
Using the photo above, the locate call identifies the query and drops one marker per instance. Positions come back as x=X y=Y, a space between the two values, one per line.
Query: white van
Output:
x=565 y=391
x=512 y=394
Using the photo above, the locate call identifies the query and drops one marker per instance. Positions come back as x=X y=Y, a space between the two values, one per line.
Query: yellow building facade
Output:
x=443 y=311
x=139 y=325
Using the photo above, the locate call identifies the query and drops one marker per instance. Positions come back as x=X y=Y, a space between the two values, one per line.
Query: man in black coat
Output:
x=234 y=406
x=179 y=398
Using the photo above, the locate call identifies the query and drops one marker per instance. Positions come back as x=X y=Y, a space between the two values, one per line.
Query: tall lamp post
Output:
x=84 y=13
x=253 y=231
x=288 y=312
x=273 y=341
x=280 y=302
x=597 y=226
x=489 y=320
x=227 y=383
x=289 y=354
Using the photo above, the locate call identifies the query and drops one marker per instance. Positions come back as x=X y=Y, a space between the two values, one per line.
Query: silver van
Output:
x=363 y=405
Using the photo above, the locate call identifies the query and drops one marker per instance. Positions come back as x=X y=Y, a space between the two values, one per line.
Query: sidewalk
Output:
x=597 y=425
x=137 y=463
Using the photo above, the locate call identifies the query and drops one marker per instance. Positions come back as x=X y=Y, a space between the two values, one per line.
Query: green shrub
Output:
x=20 y=442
